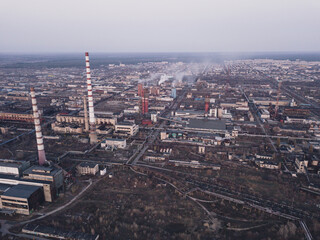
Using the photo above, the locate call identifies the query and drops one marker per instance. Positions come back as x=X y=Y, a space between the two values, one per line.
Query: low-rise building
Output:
x=22 y=199
x=88 y=168
x=301 y=164
x=195 y=164
x=114 y=143
x=267 y=164
x=127 y=128
x=67 y=128
x=50 y=174
x=154 y=157
x=264 y=114
x=14 y=167
x=263 y=157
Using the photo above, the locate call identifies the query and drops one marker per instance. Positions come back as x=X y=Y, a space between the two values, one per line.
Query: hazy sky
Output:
x=159 y=25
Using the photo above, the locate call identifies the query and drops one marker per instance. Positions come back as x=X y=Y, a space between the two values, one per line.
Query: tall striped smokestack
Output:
x=41 y=153
x=86 y=120
x=92 y=121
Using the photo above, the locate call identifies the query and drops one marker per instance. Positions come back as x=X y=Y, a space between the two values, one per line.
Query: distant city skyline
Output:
x=159 y=26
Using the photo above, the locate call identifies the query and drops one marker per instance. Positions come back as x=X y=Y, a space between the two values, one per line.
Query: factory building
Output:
x=16 y=117
x=267 y=102
x=81 y=120
x=63 y=128
x=13 y=167
x=114 y=143
x=49 y=174
x=207 y=125
x=22 y=199
x=87 y=168
x=50 y=179
x=49 y=190
x=127 y=128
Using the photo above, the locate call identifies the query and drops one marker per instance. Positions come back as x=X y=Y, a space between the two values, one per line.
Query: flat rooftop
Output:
x=125 y=124
x=87 y=164
x=14 y=178
x=12 y=163
x=4 y=187
x=41 y=170
x=21 y=191
x=207 y=124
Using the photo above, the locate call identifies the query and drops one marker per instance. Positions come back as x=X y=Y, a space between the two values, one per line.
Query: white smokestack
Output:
x=93 y=135
x=41 y=153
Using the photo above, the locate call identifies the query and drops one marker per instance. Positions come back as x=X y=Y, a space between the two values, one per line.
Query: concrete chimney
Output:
x=93 y=134
x=36 y=118
x=86 y=120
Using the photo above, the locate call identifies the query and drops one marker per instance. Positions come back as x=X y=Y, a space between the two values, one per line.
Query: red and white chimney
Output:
x=92 y=121
x=36 y=118
x=86 y=120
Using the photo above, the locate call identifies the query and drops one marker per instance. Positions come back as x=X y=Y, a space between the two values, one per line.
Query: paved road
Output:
x=150 y=140
x=155 y=132
x=257 y=118
x=306 y=230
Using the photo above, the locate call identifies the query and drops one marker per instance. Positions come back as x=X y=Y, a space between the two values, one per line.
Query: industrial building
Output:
x=195 y=164
x=81 y=120
x=50 y=174
x=22 y=199
x=14 y=167
x=205 y=125
x=50 y=179
x=16 y=117
x=87 y=168
x=126 y=128
x=114 y=143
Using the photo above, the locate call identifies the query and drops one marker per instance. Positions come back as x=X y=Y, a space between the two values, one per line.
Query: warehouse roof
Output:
x=21 y=191
x=4 y=187
x=87 y=164
x=207 y=124
x=125 y=124
x=40 y=170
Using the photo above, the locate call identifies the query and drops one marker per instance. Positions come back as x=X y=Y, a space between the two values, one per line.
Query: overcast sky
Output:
x=159 y=25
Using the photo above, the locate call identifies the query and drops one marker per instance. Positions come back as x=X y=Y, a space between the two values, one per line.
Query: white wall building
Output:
x=127 y=128
x=114 y=143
